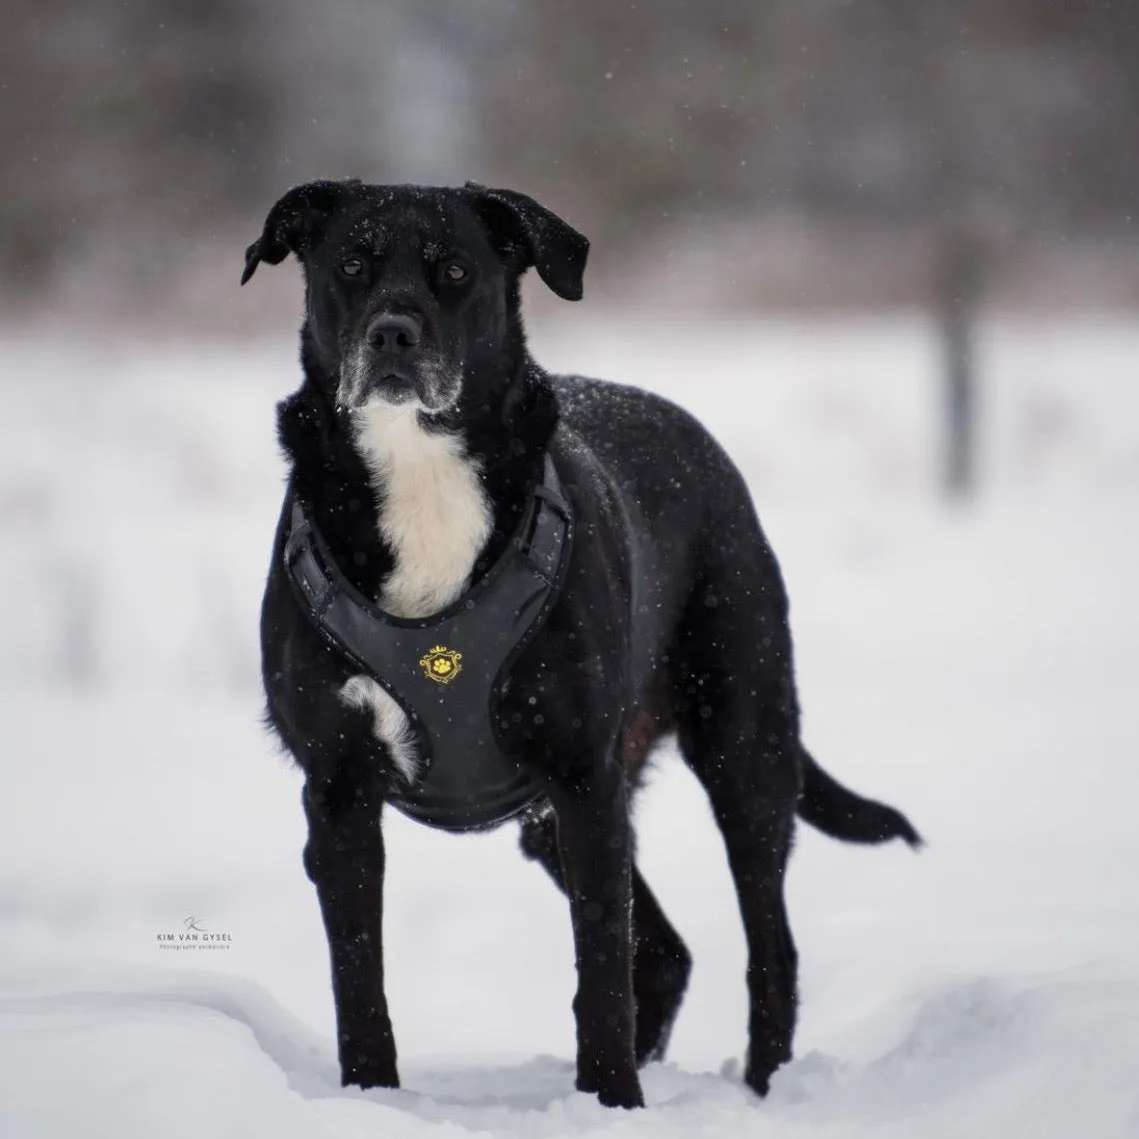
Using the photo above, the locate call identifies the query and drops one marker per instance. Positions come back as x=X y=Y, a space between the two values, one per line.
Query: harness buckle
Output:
x=294 y=542
x=318 y=587
x=299 y=529
x=553 y=500
x=543 y=550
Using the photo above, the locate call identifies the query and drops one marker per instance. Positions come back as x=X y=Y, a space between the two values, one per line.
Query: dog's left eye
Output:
x=353 y=267
x=454 y=272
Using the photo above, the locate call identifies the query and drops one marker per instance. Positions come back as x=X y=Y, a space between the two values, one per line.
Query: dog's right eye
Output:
x=353 y=267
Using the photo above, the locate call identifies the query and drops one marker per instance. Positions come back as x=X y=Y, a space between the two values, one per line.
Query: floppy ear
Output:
x=293 y=224
x=552 y=246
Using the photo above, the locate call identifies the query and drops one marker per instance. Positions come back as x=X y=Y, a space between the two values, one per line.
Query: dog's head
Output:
x=413 y=291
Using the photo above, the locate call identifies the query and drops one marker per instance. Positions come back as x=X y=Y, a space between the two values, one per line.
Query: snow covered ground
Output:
x=979 y=668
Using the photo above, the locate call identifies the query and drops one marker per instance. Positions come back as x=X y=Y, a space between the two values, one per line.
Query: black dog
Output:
x=416 y=442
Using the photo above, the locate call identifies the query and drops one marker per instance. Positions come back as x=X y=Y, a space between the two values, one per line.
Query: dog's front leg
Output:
x=595 y=844
x=344 y=857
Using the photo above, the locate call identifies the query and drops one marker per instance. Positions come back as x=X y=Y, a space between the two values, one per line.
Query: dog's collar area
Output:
x=447 y=671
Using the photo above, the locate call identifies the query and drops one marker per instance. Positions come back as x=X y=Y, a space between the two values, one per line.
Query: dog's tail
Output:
x=827 y=805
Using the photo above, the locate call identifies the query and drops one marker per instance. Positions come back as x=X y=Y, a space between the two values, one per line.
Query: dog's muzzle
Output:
x=391 y=364
x=392 y=387
x=393 y=340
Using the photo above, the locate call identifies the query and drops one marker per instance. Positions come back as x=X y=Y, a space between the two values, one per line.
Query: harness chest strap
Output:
x=447 y=671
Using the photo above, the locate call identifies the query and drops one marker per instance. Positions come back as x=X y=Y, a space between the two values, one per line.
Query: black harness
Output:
x=447 y=672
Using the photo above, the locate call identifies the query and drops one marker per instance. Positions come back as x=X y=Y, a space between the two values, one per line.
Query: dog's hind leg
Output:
x=661 y=961
x=746 y=756
x=661 y=966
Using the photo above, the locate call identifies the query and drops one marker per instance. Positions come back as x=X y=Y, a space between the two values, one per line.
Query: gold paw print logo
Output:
x=441 y=664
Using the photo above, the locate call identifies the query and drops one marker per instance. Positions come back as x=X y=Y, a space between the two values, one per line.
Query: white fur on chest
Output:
x=436 y=517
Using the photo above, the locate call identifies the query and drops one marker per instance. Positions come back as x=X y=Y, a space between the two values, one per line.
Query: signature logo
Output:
x=194 y=935
x=441 y=664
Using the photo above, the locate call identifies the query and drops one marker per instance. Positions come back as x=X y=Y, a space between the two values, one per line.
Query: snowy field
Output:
x=979 y=668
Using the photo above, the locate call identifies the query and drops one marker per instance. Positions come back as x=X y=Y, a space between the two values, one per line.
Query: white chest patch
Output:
x=435 y=514
x=436 y=518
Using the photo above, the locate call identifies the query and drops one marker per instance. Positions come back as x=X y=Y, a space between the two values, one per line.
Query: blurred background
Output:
x=886 y=250
x=795 y=153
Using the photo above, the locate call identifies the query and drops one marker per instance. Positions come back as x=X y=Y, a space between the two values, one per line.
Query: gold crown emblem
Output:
x=441 y=664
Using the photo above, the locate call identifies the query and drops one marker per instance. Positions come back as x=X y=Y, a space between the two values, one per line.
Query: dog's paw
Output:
x=758 y=1077
x=613 y=1090
x=367 y=1080
x=368 y=1072
x=759 y=1082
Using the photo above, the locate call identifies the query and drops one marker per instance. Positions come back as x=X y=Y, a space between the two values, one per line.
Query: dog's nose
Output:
x=395 y=332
